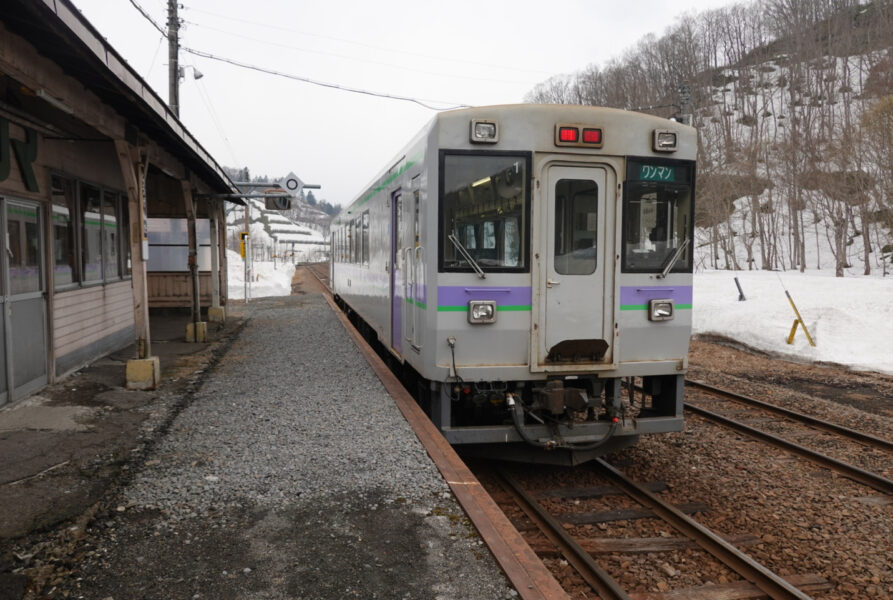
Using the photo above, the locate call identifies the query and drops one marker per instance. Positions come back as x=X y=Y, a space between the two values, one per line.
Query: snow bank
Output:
x=268 y=279
x=850 y=319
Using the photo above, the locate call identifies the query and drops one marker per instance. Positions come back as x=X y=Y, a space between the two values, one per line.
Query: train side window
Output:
x=576 y=227
x=353 y=241
x=366 y=238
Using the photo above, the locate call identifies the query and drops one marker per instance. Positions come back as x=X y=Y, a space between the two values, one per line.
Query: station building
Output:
x=89 y=154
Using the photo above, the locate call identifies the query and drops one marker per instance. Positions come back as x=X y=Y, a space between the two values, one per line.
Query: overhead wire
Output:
x=149 y=18
x=426 y=103
x=155 y=56
x=206 y=100
x=371 y=46
x=357 y=59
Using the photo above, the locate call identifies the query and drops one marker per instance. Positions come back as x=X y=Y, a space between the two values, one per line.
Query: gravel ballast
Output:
x=291 y=474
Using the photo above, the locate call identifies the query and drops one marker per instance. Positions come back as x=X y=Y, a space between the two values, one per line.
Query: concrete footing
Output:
x=216 y=314
x=197 y=332
x=143 y=373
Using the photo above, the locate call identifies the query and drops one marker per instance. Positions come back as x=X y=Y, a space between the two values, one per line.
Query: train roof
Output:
x=532 y=127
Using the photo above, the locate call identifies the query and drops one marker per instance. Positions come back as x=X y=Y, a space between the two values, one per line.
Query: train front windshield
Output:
x=657 y=215
x=484 y=211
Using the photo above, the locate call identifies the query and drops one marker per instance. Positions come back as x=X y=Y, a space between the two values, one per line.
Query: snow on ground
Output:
x=850 y=318
x=267 y=280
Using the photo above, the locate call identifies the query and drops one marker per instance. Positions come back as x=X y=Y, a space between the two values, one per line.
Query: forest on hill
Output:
x=793 y=102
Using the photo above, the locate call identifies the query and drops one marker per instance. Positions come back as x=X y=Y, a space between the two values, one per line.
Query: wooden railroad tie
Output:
x=626 y=514
x=638 y=545
x=739 y=590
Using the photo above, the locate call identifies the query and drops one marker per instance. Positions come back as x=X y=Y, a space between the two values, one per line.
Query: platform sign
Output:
x=243 y=236
x=143 y=171
x=292 y=185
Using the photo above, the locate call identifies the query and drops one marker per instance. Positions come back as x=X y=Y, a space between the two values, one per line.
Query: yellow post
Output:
x=797 y=321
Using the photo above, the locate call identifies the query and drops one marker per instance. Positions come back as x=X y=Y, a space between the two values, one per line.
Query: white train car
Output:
x=520 y=264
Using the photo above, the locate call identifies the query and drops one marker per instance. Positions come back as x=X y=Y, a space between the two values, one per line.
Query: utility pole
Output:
x=173 y=51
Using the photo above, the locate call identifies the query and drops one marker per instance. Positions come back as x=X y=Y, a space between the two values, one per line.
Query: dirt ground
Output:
x=864 y=390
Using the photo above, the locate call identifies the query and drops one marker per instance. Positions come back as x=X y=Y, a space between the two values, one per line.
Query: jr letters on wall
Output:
x=25 y=152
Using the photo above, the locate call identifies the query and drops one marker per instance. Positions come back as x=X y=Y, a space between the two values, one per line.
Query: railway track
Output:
x=880 y=448
x=756 y=580
x=586 y=554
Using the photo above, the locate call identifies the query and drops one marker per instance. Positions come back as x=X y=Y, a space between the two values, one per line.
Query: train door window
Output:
x=576 y=226
x=470 y=240
x=366 y=238
x=91 y=233
x=64 y=209
x=415 y=219
x=351 y=242
x=485 y=206
x=111 y=239
x=657 y=216
x=510 y=243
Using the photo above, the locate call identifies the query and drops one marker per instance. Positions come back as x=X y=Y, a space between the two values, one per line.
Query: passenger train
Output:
x=528 y=271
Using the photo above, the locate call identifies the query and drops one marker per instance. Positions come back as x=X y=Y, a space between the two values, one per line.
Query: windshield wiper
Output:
x=467 y=256
x=674 y=259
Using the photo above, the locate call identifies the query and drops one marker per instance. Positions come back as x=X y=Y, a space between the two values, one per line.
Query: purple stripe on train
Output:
x=641 y=294
x=451 y=295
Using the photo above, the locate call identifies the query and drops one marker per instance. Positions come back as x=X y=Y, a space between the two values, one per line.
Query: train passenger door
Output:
x=577 y=268
x=414 y=275
x=397 y=282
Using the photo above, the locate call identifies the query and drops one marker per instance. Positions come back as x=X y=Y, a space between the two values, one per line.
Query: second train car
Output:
x=528 y=271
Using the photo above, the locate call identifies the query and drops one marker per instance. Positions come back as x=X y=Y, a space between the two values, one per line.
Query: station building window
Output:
x=91 y=240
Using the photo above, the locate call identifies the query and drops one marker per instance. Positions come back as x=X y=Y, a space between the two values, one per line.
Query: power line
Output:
x=420 y=102
x=362 y=60
x=143 y=12
x=206 y=99
x=374 y=47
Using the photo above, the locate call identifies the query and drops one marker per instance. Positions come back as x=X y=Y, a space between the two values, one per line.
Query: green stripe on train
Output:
x=418 y=303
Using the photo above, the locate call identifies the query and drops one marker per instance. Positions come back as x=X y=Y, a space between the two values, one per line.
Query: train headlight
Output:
x=481 y=311
x=660 y=310
x=484 y=131
x=664 y=140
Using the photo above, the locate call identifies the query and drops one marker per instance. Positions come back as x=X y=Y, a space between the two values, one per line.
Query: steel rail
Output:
x=521 y=565
x=881 y=484
x=797 y=416
x=579 y=559
x=768 y=582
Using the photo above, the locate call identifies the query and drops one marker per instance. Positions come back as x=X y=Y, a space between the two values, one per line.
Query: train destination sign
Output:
x=656 y=173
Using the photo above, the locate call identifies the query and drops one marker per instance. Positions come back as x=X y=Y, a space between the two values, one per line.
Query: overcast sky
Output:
x=469 y=52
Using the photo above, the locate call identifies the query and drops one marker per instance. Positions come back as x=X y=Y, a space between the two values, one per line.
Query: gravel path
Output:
x=291 y=474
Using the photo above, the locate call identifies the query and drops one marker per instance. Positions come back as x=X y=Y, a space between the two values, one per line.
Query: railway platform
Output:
x=272 y=463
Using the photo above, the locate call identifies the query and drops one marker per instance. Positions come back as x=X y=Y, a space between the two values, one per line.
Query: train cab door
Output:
x=577 y=273
x=398 y=273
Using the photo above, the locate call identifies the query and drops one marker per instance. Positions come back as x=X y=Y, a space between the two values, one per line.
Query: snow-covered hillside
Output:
x=273 y=235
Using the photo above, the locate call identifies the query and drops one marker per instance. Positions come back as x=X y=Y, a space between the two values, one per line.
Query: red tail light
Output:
x=568 y=134
x=592 y=136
